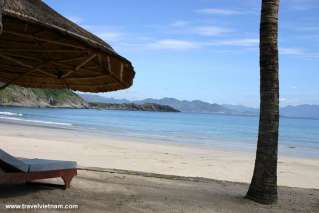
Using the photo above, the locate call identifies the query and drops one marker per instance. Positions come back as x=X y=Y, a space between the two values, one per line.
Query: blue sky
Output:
x=204 y=49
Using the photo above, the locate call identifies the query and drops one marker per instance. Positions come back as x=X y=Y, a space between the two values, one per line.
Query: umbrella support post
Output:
x=1 y=9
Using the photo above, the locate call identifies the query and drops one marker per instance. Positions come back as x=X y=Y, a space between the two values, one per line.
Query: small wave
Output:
x=11 y=114
x=36 y=121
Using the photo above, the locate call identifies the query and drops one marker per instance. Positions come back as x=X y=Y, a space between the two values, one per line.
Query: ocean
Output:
x=298 y=137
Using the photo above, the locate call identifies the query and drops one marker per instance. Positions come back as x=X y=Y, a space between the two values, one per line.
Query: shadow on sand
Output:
x=16 y=190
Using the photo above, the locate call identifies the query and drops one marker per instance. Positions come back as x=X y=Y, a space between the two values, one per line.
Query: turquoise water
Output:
x=298 y=137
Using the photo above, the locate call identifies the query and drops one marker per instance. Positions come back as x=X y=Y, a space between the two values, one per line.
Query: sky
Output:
x=204 y=49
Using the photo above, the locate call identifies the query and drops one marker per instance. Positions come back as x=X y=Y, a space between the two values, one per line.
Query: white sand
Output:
x=106 y=152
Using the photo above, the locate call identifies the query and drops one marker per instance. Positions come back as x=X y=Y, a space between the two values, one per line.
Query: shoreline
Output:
x=127 y=110
x=91 y=150
x=286 y=150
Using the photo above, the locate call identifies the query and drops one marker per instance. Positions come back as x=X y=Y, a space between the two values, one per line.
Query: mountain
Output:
x=189 y=106
x=29 y=97
x=183 y=106
x=242 y=109
x=99 y=99
x=134 y=107
x=301 y=111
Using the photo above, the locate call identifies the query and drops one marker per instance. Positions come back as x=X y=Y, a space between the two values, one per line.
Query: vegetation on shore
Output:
x=134 y=107
x=30 y=97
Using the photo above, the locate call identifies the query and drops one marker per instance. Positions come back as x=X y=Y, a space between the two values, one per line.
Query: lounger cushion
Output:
x=40 y=165
x=10 y=163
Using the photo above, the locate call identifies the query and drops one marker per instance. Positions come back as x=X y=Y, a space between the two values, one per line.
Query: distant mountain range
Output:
x=300 y=111
x=183 y=106
x=99 y=99
x=189 y=106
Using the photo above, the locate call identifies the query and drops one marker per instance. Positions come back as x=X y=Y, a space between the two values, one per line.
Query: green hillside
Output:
x=30 y=97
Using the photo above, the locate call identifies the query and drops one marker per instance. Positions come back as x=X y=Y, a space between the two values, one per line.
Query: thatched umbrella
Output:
x=41 y=48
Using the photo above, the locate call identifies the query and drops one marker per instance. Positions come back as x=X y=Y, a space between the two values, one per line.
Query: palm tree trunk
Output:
x=263 y=188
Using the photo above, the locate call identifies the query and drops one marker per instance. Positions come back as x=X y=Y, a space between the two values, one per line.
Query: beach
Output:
x=118 y=192
x=220 y=112
x=92 y=150
x=120 y=174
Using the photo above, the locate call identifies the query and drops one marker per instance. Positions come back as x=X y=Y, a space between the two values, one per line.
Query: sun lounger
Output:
x=16 y=170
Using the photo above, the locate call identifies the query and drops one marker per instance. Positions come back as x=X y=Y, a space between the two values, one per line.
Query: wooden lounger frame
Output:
x=21 y=177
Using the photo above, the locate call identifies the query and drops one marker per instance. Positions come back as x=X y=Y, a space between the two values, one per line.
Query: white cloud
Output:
x=298 y=52
x=106 y=33
x=184 y=27
x=301 y=4
x=179 y=24
x=308 y=28
x=120 y=39
x=210 y=30
x=218 y=11
x=313 y=55
x=235 y=42
x=291 y=51
x=75 y=19
x=174 y=44
x=110 y=36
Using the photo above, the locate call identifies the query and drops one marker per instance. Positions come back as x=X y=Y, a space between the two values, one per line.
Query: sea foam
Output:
x=11 y=114
x=35 y=121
